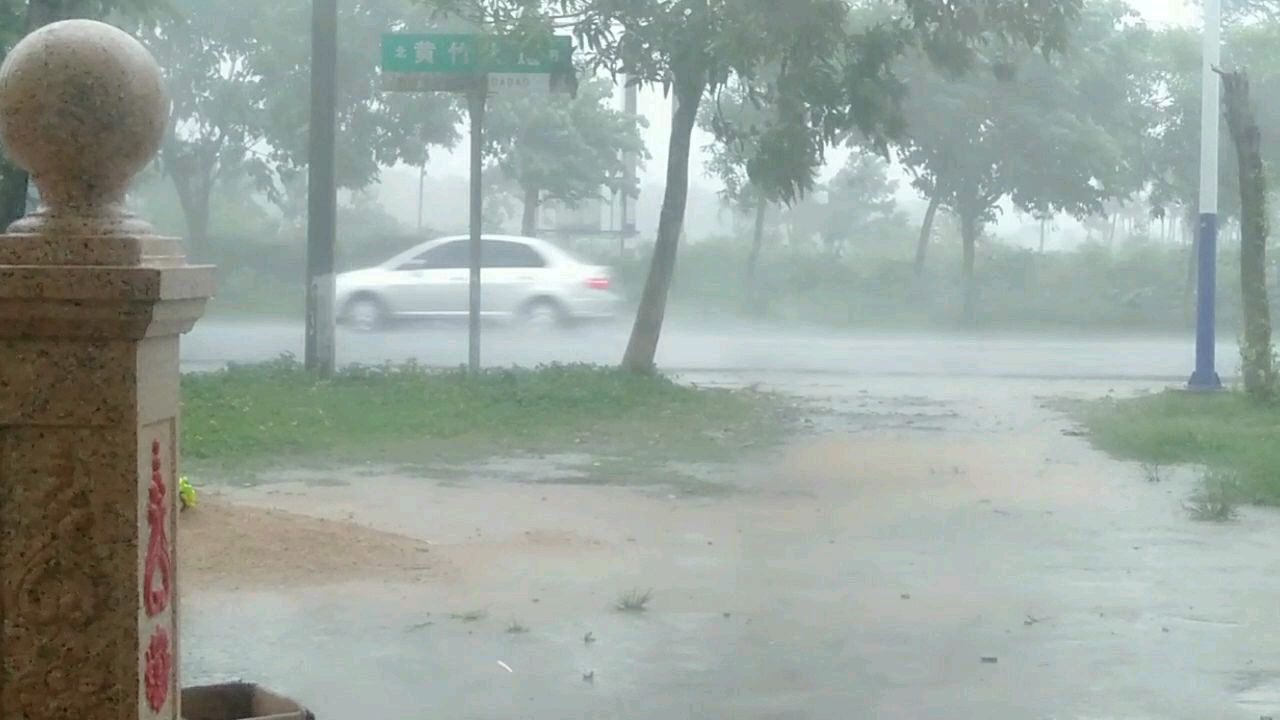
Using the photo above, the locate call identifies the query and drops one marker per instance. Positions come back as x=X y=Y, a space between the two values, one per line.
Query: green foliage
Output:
x=859 y=208
x=1251 y=11
x=1051 y=135
x=376 y=128
x=826 y=67
x=559 y=150
x=1135 y=285
x=277 y=410
x=239 y=75
x=1229 y=433
x=1175 y=151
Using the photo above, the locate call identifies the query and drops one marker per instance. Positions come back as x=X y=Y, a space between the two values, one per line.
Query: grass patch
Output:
x=275 y=413
x=1216 y=499
x=636 y=601
x=1228 y=433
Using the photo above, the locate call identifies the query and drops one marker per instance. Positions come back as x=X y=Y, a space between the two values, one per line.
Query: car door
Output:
x=511 y=271
x=435 y=282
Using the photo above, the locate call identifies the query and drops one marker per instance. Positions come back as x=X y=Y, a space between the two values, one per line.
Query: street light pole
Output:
x=1206 y=376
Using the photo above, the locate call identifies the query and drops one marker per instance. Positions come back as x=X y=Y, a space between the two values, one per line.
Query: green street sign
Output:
x=457 y=54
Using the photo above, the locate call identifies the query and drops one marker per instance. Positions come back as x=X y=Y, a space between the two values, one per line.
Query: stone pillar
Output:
x=92 y=304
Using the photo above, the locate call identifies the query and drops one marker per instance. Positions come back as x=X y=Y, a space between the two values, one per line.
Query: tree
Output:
x=859 y=207
x=745 y=126
x=861 y=201
x=376 y=128
x=238 y=75
x=833 y=77
x=1176 y=63
x=19 y=17
x=1047 y=135
x=1242 y=123
x=215 y=119
x=558 y=150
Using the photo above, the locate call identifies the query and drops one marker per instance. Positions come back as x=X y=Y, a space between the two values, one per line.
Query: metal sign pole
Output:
x=475 y=108
x=475 y=65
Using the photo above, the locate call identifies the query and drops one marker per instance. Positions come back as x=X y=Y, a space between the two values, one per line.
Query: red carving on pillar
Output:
x=159 y=559
x=159 y=670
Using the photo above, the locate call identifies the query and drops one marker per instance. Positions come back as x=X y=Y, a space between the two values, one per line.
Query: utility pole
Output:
x=1206 y=375
x=475 y=108
x=322 y=189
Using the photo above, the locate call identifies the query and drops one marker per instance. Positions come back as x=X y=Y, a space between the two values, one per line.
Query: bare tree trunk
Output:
x=755 y=301
x=193 y=196
x=926 y=231
x=13 y=193
x=1044 y=222
x=529 y=224
x=969 y=235
x=1189 y=283
x=642 y=348
x=1243 y=125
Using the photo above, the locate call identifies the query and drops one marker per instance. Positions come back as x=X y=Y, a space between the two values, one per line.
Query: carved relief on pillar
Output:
x=53 y=603
x=158 y=669
x=158 y=568
x=158 y=624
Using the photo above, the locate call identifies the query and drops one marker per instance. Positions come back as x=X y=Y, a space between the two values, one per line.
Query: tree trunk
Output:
x=969 y=235
x=642 y=348
x=193 y=196
x=1243 y=126
x=13 y=193
x=529 y=224
x=14 y=181
x=1193 y=254
x=1044 y=222
x=926 y=230
x=755 y=300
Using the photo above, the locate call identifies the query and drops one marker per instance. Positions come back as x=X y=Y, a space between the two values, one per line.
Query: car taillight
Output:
x=598 y=283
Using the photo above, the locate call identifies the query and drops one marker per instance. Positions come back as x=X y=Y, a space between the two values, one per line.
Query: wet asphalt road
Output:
x=976 y=564
x=869 y=572
x=738 y=349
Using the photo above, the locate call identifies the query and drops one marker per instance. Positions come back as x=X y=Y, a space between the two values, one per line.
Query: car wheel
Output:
x=544 y=313
x=366 y=313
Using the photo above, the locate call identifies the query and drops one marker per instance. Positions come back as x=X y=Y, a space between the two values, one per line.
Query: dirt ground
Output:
x=227 y=547
x=931 y=549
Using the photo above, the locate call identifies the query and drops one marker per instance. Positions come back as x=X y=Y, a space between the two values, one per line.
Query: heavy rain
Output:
x=631 y=359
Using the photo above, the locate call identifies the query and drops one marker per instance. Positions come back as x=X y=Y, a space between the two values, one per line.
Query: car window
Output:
x=449 y=256
x=505 y=254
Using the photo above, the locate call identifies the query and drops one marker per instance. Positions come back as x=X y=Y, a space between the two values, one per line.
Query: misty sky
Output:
x=401 y=200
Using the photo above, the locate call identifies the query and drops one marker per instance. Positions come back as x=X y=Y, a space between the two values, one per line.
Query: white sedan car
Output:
x=521 y=278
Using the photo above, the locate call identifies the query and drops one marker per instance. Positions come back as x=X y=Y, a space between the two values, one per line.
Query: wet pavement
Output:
x=726 y=347
x=933 y=546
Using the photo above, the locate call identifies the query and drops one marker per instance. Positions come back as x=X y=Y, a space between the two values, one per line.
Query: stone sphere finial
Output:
x=83 y=109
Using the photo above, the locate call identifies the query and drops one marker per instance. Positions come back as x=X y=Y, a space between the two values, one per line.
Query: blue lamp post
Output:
x=1206 y=375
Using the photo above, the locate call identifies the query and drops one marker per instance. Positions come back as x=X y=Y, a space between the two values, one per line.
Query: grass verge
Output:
x=276 y=413
x=1224 y=432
